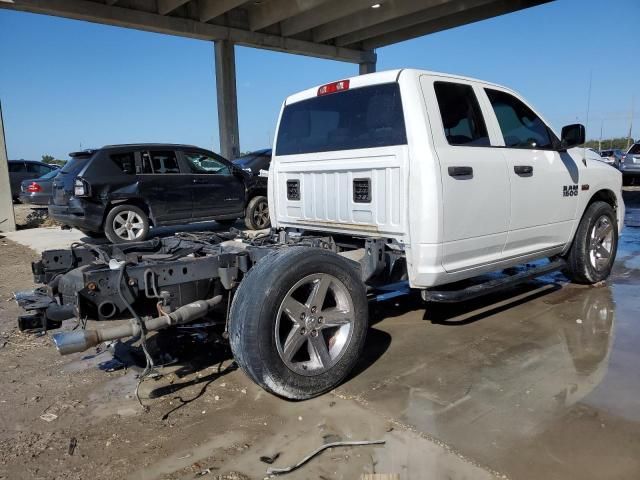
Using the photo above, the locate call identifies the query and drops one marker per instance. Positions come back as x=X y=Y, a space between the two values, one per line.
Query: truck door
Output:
x=215 y=189
x=475 y=185
x=543 y=182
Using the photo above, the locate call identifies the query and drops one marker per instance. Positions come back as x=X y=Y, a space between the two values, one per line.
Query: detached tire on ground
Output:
x=257 y=213
x=298 y=321
x=594 y=246
x=126 y=223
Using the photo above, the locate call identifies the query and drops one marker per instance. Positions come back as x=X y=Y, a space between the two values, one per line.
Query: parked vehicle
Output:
x=20 y=170
x=379 y=184
x=124 y=190
x=38 y=191
x=630 y=166
x=592 y=154
x=615 y=156
x=255 y=162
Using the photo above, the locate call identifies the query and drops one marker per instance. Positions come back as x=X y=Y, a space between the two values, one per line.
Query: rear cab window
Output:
x=365 y=117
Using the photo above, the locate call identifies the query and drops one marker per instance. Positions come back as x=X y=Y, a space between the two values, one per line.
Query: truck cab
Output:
x=462 y=175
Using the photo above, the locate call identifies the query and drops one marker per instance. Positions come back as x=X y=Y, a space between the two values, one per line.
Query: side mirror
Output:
x=572 y=135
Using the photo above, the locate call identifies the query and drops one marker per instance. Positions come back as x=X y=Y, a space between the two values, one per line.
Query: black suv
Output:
x=122 y=190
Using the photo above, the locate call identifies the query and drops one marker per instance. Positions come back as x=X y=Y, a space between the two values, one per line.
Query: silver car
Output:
x=630 y=166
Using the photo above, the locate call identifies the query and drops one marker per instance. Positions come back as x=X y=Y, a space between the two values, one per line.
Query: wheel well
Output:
x=132 y=201
x=606 y=196
x=256 y=193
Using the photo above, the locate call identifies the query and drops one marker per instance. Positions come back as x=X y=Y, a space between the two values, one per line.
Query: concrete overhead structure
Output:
x=344 y=30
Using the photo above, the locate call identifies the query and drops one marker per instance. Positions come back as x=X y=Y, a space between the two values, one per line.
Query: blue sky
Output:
x=67 y=84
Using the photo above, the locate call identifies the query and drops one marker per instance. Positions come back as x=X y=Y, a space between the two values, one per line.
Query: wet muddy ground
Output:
x=539 y=382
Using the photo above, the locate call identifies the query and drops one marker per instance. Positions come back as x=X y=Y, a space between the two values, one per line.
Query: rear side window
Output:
x=521 y=128
x=635 y=149
x=461 y=115
x=364 y=117
x=125 y=162
x=160 y=162
x=17 y=167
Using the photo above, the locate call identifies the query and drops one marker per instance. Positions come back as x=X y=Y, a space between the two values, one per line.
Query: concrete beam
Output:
x=129 y=18
x=7 y=219
x=268 y=13
x=327 y=12
x=463 y=17
x=227 y=99
x=168 y=6
x=388 y=10
x=210 y=9
x=365 y=68
x=439 y=9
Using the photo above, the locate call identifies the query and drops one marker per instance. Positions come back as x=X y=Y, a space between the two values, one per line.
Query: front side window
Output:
x=365 y=117
x=461 y=115
x=521 y=128
x=160 y=162
x=202 y=163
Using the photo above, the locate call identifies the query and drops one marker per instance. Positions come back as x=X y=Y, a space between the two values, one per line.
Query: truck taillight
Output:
x=34 y=188
x=80 y=188
x=333 y=87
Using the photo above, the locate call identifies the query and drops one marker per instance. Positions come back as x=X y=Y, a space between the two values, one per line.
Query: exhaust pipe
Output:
x=81 y=340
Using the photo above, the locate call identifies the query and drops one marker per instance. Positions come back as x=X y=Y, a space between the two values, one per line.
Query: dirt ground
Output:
x=538 y=383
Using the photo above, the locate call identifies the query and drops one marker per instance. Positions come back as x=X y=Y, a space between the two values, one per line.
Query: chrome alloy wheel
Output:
x=601 y=243
x=261 y=215
x=128 y=225
x=314 y=325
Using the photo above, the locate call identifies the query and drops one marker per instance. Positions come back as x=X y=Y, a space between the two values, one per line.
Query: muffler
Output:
x=81 y=340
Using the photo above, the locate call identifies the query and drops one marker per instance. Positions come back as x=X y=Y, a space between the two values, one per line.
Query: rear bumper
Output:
x=78 y=213
x=630 y=169
x=34 y=199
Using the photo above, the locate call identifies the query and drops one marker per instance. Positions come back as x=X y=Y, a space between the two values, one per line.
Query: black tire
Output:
x=110 y=225
x=257 y=213
x=586 y=262
x=92 y=234
x=253 y=322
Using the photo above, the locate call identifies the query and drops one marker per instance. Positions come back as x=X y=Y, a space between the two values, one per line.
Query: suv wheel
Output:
x=298 y=321
x=126 y=223
x=594 y=246
x=257 y=216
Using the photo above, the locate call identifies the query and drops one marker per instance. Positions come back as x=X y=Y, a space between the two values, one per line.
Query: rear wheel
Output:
x=298 y=322
x=126 y=223
x=595 y=244
x=257 y=215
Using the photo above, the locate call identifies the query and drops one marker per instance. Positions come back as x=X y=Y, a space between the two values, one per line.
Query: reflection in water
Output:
x=515 y=383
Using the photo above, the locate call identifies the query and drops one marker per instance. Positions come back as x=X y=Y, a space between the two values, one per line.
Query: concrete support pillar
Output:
x=369 y=67
x=7 y=220
x=227 y=99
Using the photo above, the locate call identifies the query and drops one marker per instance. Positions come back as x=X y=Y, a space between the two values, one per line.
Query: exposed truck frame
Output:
x=376 y=213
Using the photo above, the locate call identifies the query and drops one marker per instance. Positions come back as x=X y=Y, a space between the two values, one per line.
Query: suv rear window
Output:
x=364 y=117
x=635 y=149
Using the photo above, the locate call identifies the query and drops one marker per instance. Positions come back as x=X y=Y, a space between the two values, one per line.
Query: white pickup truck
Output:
x=379 y=184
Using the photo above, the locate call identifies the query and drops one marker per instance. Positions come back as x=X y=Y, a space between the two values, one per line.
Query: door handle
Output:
x=460 y=171
x=523 y=169
x=199 y=180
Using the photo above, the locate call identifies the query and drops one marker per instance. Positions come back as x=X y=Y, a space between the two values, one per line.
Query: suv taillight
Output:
x=34 y=188
x=80 y=187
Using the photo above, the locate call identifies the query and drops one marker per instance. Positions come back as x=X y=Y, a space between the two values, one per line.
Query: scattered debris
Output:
x=331 y=438
x=73 y=442
x=270 y=459
x=579 y=321
x=278 y=471
x=48 y=417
